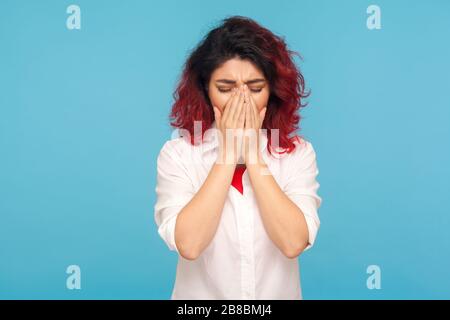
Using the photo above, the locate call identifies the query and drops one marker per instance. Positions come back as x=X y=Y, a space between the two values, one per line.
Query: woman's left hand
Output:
x=253 y=124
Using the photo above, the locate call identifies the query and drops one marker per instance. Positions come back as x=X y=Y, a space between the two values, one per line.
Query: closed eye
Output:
x=228 y=90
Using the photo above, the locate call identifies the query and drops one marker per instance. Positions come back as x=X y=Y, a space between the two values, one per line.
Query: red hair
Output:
x=242 y=37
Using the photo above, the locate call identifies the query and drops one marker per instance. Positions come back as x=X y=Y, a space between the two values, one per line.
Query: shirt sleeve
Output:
x=302 y=186
x=174 y=190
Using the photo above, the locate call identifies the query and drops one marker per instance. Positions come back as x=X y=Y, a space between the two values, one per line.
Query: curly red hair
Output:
x=242 y=37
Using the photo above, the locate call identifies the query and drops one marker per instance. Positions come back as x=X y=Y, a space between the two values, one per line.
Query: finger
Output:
x=262 y=115
x=228 y=105
x=254 y=113
x=231 y=103
x=240 y=109
x=236 y=102
x=247 y=105
x=217 y=114
x=246 y=93
x=250 y=133
x=241 y=119
x=247 y=116
x=248 y=98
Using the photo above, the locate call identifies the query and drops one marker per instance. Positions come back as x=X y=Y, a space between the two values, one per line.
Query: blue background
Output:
x=84 y=113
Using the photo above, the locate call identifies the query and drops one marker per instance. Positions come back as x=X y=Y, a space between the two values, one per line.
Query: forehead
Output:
x=237 y=69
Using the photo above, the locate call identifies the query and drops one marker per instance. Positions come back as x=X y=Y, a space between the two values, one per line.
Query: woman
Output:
x=238 y=202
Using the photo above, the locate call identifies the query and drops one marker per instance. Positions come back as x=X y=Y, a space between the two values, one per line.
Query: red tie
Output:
x=237 y=178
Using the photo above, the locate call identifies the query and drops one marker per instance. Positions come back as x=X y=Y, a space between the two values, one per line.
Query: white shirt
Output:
x=241 y=261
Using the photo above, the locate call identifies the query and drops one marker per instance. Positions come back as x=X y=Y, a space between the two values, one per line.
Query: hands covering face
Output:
x=239 y=125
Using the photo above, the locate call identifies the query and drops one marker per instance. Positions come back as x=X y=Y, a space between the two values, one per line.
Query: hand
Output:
x=231 y=127
x=252 y=126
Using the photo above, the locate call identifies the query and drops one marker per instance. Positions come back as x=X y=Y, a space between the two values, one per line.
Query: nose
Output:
x=240 y=83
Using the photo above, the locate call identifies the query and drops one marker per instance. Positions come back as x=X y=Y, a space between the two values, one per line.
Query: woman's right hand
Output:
x=230 y=124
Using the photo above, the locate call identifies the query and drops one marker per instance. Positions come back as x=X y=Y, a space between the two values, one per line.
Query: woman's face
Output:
x=234 y=73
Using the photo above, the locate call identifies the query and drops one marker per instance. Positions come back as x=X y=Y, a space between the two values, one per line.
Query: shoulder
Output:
x=303 y=148
x=175 y=147
x=303 y=155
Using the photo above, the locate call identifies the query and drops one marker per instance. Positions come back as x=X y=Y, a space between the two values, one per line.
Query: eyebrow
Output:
x=228 y=81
